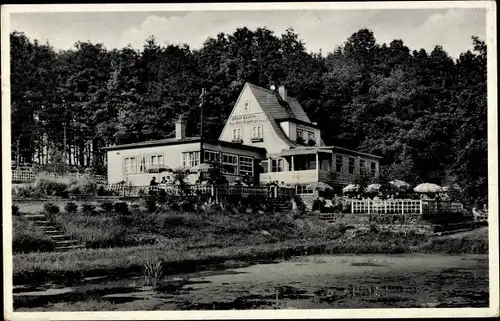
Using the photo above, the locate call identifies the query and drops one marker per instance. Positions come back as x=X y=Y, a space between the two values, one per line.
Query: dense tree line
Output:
x=422 y=111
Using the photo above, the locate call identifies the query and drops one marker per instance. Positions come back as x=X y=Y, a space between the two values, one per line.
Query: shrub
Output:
x=151 y=203
x=107 y=206
x=51 y=209
x=26 y=237
x=71 y=207
x=83 y=185
x=187 y=206
x=162 y=197
x=135 y=206
x=88 y=208
x=15 y=210
x=48 y=185
x=121 y=207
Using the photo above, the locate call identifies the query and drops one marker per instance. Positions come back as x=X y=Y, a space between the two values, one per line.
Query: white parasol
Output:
x=428 y=188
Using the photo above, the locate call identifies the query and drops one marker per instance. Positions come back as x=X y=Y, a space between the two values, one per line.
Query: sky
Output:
x=320 y=29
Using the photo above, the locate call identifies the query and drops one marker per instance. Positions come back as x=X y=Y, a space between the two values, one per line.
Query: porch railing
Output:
x=404 y=206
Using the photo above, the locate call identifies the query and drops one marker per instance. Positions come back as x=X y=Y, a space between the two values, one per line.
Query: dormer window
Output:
x=246 y=106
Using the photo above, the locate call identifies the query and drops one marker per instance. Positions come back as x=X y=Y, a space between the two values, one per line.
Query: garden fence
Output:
x=404 y=206
x=197 y=189
x=29 y=176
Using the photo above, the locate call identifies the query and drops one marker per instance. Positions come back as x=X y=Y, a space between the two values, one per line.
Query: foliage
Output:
x=107 y=206
x=15 y=210
x=363 y=179
x=216 y=173
x=71 y=207
x=50 y=186
x=51 y=209
x=26 y=237
x=121 y=208
x=422 y=111
x=88 y=208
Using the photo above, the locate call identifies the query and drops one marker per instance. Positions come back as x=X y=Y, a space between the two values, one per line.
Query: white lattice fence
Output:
x=386 y=206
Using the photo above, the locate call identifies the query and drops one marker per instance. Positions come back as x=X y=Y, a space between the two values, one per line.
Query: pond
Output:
x=309 y=282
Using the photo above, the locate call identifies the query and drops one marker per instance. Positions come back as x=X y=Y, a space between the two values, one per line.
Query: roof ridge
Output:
x=268 y=90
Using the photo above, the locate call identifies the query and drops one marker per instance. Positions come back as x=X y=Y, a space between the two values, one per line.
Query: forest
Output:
x=424 y=112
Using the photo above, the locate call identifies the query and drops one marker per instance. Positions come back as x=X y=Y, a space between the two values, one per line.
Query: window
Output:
x=257 y=135
x=246 y=106
x=302 y=189
x=276 y=165
x=230 y=163
x=373 y=168
x=129 y=165
x=338 y=164
x=305 y=135
x=352 y=161
x=190 y=159
x=246 y=165
x=265 y=166
x=237 y=134
x=156 y=160
x=142 y=164
x=211 y=156
x=300 y=133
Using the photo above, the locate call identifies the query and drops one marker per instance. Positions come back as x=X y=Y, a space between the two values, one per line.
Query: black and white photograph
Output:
x=245 y=160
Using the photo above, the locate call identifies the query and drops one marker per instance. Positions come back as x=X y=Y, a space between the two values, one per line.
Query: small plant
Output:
x=121 y=207
x=88 y=208
x=152 y=272
x=51 y=208
x=106 y=206
x=374 y=228
x=151 y=203
x=135 y=206
x=15 y=210
x=71 y=207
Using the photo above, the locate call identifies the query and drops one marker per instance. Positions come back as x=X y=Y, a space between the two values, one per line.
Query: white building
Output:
x=267 y=136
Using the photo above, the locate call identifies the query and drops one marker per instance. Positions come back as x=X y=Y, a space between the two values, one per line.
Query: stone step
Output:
x=34 y=216
x=59 y=237
x=43 y=222
x=71 y=247
x=65 y=243
x=51 y=230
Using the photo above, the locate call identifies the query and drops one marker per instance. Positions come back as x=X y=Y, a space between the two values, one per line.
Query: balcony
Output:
x=237 y=141
x=257 y=140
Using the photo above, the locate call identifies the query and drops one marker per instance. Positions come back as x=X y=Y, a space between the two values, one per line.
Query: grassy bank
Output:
x=179 y=257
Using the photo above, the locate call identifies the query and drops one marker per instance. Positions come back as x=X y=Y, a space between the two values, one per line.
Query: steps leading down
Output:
x=62 y=241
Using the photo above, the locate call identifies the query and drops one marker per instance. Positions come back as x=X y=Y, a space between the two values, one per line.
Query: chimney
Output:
x=180 y=128
x=282 y=92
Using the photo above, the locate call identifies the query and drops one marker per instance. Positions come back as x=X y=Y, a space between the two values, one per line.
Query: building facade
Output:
x=267 y=136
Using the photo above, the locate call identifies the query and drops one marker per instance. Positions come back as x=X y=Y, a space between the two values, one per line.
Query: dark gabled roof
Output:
x=159 y=142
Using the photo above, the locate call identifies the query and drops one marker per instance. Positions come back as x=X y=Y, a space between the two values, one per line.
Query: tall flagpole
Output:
x=202 y=158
